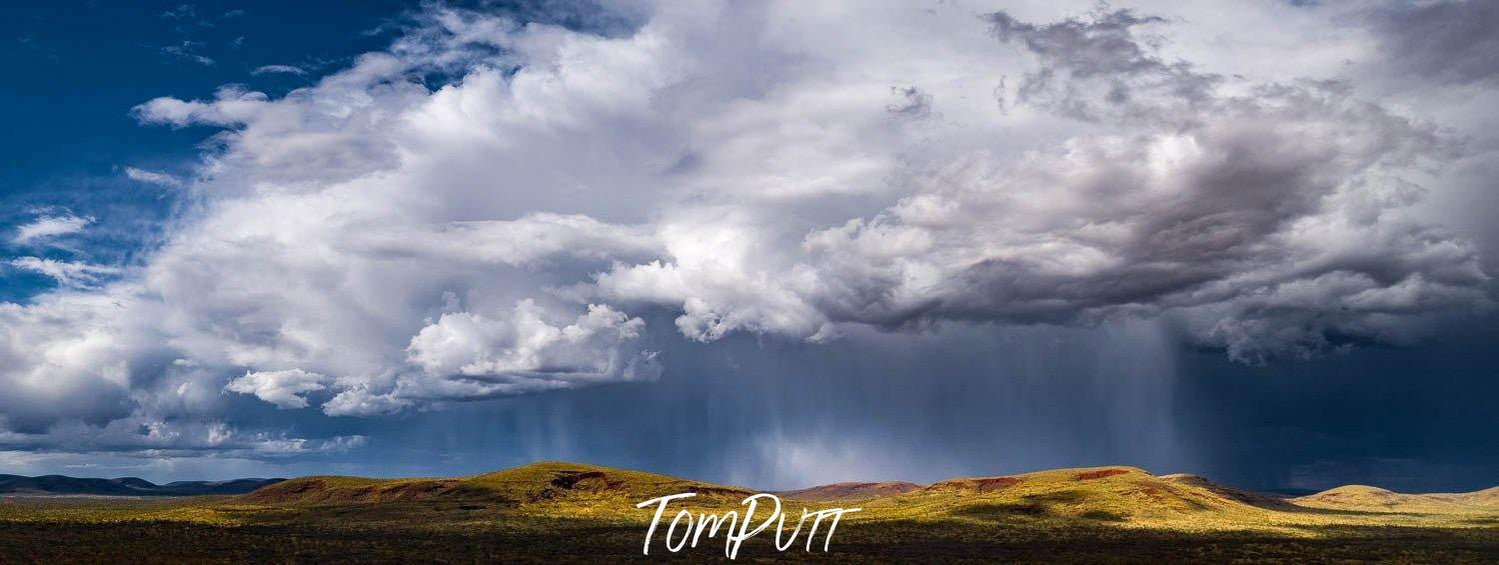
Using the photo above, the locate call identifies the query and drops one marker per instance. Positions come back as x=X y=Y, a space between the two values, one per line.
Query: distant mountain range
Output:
x=125 y=486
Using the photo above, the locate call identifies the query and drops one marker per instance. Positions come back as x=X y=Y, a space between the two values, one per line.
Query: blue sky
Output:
x=80 y=67
x=753 y=243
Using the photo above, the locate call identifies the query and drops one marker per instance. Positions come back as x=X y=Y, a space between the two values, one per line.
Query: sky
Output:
x=772 y=244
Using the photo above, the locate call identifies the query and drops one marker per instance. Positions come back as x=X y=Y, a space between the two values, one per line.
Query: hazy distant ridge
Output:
x=124 y=486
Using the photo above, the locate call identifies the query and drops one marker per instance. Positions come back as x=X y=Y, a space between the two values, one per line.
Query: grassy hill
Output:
x=1374 y=499
x=1114 y=495
x=850 y=491
x=560 y=511
x=569 y=489
x=1120 y=495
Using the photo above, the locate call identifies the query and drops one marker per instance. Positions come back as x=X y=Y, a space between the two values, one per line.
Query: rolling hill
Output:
x=538 y=483
x=566 y=511
x=850 y=491
x=1104 y=496
x=1375 y=499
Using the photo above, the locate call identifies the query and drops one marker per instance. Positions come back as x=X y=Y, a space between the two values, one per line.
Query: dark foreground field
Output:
x=167 y=542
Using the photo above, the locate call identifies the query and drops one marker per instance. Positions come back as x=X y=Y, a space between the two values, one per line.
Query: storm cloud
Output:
x=565 y=199
x=1451 y=42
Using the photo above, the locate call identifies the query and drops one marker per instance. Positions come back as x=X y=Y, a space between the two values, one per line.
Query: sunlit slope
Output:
x=1133 y=498
x=1101 y=496
x=849 y=491
x=565 y=512
x=551 y=486
x=1374 y=499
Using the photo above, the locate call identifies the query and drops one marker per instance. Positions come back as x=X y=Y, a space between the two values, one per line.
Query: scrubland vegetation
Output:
x=569 y=512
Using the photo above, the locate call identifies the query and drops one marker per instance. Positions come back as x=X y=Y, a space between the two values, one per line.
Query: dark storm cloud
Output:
x=1268 y=218
x=1450 y=42
x=972 y=400
x=95 y=403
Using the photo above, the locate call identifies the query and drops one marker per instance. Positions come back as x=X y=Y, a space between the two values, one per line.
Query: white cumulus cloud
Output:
x=286 y=389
